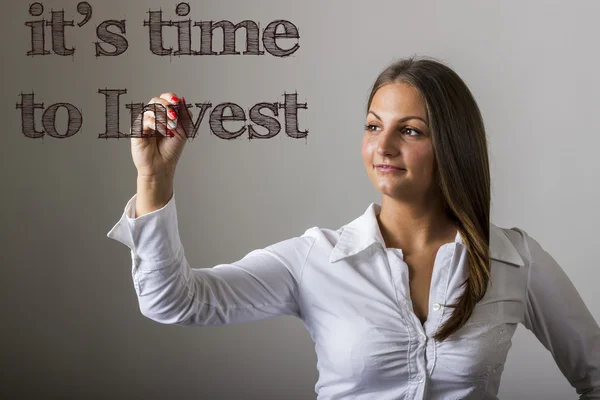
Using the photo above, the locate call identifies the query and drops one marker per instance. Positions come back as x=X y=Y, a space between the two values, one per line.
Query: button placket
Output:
x=394 y=257
x=441 y=277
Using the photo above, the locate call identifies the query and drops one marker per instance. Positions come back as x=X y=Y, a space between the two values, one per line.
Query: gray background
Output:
x=71 y=323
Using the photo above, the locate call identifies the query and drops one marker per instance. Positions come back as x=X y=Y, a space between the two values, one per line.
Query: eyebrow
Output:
x=401 y=119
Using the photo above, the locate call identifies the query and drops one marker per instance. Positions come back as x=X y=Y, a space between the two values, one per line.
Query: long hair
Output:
x=462 y=173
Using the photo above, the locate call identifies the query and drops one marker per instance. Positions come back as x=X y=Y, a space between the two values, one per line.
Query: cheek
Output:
x=365 y=150
x=421 y=157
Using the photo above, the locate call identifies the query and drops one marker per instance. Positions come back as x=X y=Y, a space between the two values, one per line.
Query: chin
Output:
x=390 y=191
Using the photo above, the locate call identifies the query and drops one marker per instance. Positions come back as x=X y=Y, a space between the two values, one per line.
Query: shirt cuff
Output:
x=152 y=237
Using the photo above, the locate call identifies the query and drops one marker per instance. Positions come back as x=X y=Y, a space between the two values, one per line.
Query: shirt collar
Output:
x=363 y=232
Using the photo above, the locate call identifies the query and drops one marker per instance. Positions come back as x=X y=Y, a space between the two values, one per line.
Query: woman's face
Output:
x=397 y=133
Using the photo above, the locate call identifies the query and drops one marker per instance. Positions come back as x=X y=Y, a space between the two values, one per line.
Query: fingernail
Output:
x=172 y=114
x=174 y=100
x=171 y=133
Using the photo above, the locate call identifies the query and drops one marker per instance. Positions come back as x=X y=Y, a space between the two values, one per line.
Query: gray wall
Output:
x=71 y=323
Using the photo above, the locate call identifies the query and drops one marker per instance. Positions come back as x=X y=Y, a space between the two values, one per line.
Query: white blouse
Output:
x=353 y=296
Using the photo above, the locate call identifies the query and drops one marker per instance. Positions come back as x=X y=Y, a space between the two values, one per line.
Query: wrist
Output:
x=159 y=178
x=153 y=193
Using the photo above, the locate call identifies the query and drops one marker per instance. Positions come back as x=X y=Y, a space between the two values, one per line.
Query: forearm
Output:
x=153 y=193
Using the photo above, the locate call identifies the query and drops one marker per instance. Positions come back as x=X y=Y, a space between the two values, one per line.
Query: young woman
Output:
x=418 y=297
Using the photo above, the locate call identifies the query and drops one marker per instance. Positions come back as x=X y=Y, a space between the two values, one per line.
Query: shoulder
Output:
x=515 y=238
x=530 y=248
x=297 y=245
x=328 y=235
x=301 y=245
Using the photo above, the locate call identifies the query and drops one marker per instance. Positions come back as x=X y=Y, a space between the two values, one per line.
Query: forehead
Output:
x=398 y=99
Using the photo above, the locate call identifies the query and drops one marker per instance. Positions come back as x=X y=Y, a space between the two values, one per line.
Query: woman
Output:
x=419 y=297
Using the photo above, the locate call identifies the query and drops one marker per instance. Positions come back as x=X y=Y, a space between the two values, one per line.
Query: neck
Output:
x=416 y=226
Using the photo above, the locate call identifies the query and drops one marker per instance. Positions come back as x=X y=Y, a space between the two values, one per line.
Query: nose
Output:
x=386 y=145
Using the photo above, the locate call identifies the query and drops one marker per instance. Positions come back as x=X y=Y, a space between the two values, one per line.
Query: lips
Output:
x=387 y=166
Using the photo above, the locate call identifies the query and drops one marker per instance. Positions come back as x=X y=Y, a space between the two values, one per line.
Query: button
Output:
x=436 y=306
x=420 y=378
x=422 y=338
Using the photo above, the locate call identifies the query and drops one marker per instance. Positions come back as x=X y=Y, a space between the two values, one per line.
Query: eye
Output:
x=414 y=130
x=369 y=127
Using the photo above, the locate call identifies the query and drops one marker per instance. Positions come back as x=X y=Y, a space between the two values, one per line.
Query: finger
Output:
x=144 y=127
x=174 y=106
x=160 y=108
x=151 y=128
x=186 y=125
x=170 y=98
x=153 y=125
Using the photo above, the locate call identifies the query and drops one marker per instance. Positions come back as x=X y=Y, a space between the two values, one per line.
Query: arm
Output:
x=558 y=317
x=263 y=284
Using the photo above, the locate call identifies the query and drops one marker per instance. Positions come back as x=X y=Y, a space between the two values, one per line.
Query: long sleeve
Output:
x=558 y=317
x=263 y=284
